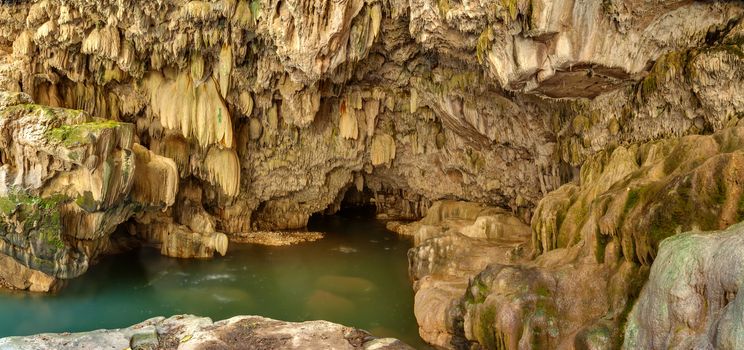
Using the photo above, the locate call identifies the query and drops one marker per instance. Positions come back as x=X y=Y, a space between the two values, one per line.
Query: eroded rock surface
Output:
x=692 y=298
x=412 y=100
x=593 y=242
x=454 y=242
x=607 y=125
x=68 y=181
x=186 y=332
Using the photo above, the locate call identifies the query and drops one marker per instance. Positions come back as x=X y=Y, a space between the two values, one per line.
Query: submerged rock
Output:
x=188 y=332
x=277 y=238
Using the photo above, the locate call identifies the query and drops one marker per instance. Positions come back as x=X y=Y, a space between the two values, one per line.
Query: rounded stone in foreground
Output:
x=188 y=332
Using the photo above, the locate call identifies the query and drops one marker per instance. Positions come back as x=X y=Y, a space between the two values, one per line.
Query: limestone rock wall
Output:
x=439 y=99
x=692 y=298
x=68 y=181
x=607 y=125
x=593 y=243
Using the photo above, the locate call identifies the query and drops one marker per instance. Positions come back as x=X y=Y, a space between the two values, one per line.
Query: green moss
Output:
x=39 y=217
x=602 y=241
x=508 y=10
x=484 y=45
x=487 y=336
x=443 y=6
x=461 y=81
x=648 y=86
x=477 y=292
x=718 y=195
x=87 y=202
x=44 y=113
x=633 y=197
x=681 y=209
x=7 y=206
x=50 y=231
x=633 y=292
x=255 y=10
x=674 y=159
x=740 y=209
x=671 y=64
x=734 y=50
x=73 y=135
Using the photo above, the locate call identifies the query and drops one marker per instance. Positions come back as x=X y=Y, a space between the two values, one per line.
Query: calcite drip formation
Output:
x=548 y=147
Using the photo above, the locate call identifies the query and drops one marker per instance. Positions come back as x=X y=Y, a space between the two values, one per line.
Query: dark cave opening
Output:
x=353 y=204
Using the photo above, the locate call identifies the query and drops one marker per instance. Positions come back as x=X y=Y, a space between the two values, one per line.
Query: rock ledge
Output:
x=193 y=332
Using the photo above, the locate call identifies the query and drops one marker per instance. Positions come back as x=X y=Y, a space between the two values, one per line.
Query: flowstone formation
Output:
x=567 y=138
x=477 y=279
x=692 y=299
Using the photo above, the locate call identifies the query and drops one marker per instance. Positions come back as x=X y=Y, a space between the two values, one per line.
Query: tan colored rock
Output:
x=382 y=150
x=348 y=126
x=276 y=239
x=197 y=111
x=559 y=113
x=448 y=254
x=17 y=276
x=155 y=178
x=223 y=169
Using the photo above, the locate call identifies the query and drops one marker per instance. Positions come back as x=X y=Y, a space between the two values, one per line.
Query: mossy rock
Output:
x=145 y=339
x=78 y=134
x=37 y=217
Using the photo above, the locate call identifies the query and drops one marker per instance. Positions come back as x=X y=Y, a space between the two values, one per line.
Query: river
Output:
x=356 y=276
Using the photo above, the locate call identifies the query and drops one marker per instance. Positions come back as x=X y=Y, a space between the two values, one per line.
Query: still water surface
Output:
x=355 y=276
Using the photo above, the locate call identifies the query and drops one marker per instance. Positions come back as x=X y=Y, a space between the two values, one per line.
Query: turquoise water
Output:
x=355 y=276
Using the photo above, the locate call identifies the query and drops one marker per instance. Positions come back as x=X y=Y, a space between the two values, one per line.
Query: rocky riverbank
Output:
x=186 y=332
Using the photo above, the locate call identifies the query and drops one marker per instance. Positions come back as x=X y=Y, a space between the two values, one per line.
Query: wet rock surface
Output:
x=192 y=332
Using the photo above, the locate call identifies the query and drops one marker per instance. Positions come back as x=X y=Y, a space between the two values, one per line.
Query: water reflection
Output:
x=355 y=276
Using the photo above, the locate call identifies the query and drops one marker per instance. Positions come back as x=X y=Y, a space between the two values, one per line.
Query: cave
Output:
x=367 y=174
